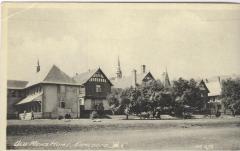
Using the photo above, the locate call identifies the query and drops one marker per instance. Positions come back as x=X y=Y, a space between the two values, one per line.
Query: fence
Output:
x=28 y=116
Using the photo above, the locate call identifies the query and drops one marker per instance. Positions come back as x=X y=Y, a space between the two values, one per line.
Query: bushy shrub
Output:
x=94 y=115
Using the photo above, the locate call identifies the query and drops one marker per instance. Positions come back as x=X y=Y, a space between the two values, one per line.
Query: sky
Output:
x=190 y=40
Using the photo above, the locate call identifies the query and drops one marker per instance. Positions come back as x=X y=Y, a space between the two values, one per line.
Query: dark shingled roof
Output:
x=54 y=75
x=16 y=84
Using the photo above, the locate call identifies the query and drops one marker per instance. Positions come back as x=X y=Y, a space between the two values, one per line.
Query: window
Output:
x=62 y=88
x=16 y=93
x=62 y=104
x=19 y=93
x=39 y=89
x=98 y=88
x=82 y=90
x=13 y=93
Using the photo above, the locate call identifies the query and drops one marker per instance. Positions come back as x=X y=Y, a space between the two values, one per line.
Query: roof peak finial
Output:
x=166 y=79
x=38 y=65
x=118 y=62
x=119 y=72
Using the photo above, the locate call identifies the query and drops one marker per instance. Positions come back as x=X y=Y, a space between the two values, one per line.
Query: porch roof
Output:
x=31 y=98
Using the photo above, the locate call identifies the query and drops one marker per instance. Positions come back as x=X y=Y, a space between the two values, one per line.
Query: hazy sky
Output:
x=191 y=40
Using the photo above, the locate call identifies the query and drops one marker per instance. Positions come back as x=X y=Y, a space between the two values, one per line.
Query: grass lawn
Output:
x=125 y=134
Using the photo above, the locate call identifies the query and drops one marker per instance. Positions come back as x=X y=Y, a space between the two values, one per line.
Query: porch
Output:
x=31 y=103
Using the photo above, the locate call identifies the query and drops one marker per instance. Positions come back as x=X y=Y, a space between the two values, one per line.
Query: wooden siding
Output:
x=90 y=88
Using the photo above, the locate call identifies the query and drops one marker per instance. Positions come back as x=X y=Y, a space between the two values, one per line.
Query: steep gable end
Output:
x=144 y=77
x=202 y=86
x=148 y=77
x=99 y=76
x=91 y=75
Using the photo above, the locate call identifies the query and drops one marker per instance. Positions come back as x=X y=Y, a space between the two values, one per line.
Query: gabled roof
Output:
x=124 y=82
x=83 y=78
x=214 y=88
x=127 y=82
x=140 y=77
x=201 y=83
x=16 y=84
x=54 y=76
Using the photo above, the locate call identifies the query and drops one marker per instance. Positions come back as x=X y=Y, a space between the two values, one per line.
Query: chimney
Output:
x=134 y=80
x=219 y=79
x=38 y=66
x=143 y=68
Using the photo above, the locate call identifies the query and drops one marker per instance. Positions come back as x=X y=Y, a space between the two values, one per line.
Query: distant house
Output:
x=122 y=82
x=214 y=95
x=211 y=91
x=132 y=81
x=204 y=93
x=52 y=93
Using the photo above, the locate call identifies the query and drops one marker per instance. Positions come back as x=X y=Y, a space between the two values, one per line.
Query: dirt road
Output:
x=122 y=134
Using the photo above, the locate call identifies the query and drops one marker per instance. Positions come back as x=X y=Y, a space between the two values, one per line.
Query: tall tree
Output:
x=231 y=94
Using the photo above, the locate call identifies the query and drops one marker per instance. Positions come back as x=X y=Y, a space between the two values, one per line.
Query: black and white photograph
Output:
x=121 y=76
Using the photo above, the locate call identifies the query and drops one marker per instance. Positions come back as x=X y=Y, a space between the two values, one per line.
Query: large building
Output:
x=94 y=88
x=122 y=82
x=52 y=93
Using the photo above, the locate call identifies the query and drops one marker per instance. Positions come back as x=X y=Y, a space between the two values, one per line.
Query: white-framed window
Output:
x=81 y=100
x=62 y=104
x=98 y=88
